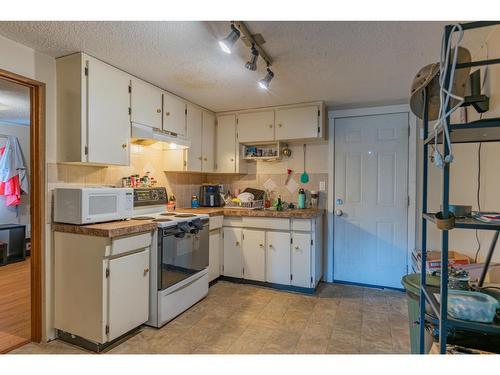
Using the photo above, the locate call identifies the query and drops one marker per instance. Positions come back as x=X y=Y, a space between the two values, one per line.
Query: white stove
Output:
x=179 y=256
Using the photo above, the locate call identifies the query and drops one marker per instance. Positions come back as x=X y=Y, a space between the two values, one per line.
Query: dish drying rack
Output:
x=252 y=205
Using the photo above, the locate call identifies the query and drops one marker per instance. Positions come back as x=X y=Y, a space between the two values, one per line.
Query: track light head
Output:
x=264 y=83
x=252 y=63
x=227 y=43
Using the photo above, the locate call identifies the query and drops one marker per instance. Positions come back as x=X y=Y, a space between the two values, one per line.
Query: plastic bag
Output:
x=472 y=306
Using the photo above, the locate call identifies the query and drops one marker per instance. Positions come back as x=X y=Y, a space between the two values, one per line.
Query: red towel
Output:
x=10 y=189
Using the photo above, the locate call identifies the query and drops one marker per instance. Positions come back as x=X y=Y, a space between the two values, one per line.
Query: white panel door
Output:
x=254 y=254
x=256 y=126
x=128 y=294
x=214 y=245
x=371 y=162
x=226 y=144
x=194 y=125
x=108 y=129
x=208 y=142
x=146 y=104
x=301 y=259
x=278 y=257
x=232 y=252
x=174 y=114
x=297 y=123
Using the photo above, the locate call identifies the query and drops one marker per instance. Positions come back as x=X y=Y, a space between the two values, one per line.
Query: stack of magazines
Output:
x=487 y=217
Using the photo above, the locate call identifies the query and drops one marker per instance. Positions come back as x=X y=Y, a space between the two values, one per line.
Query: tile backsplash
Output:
x=183 y=185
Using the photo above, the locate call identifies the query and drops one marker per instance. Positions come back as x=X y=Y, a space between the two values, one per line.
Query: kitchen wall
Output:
x=464 y=169
x=21 y=214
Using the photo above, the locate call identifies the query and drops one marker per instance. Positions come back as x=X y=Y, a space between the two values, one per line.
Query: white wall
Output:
x=19 y=59
x=9 y=214
x=463 y=171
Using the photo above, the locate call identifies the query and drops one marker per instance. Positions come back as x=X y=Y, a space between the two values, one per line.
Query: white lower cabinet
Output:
x=232 y=252
x=301 y=259
x=278 y=258
x=101 y=285
x=214 y=250
x=278 y=251
x=254 y=254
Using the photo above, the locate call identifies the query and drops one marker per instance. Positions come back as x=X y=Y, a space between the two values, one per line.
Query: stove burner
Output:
x=168 y=214
x=185 y=215
x=143 y=218
x=161 y=220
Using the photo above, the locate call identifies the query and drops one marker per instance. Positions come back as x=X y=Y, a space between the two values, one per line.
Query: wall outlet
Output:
x=322 y=186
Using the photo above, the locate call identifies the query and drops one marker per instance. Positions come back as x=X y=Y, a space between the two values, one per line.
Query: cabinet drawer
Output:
x=302 y=225
x=124 y=244
x=232 y=221
x=215 y=222
x=266 y=223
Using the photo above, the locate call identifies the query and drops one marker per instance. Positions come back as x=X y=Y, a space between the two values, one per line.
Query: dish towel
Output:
x=13 y=178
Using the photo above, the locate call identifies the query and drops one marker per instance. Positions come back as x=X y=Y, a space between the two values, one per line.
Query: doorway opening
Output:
x=22 y=166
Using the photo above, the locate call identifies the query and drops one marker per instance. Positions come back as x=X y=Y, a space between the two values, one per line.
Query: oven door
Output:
x=181 y=255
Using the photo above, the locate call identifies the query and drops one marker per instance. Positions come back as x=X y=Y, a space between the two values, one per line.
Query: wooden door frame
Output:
x=37 y=193
x=412 y=218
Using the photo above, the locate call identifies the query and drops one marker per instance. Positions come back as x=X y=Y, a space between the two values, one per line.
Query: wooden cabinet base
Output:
x=94 y=346
x=289 y=288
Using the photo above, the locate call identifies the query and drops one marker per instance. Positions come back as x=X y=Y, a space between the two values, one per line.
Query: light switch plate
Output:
x=322 y=186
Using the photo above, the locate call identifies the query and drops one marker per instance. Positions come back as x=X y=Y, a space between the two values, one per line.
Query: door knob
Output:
x=146 y=270
x=339 y=212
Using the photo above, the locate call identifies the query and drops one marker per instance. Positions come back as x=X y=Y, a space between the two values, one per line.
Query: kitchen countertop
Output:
x=306 y=213
x=110 y=229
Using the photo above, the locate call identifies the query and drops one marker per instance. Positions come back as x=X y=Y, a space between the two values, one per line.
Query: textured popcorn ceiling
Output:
x=346 y=64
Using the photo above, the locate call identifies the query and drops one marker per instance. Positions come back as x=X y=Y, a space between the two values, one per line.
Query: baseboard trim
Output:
x=288 y=288
x=366 y=285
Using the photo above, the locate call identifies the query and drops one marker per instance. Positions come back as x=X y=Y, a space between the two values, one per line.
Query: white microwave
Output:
x=92 y=205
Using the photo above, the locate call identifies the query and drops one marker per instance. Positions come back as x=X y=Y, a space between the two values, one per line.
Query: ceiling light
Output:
x=227 y=43
x=264 y=83
x=252 y=63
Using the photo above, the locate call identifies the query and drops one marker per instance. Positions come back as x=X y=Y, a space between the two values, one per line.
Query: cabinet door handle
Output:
x=199 y=158
x=205 y=158
x=232 y=159
x=124 y=145
x=146 y=270
x=270 y=126
x=270 y=246
x=158 y=110
x=261 y=245
x=237 y=243
x=280 y=125
x=297 y=248
x=167 y=113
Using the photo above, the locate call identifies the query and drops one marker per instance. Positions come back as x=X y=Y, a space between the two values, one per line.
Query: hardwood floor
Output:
x=15 y=305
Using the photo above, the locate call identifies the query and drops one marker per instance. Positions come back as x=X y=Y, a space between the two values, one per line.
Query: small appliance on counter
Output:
x=83 y=205
x=210 y=196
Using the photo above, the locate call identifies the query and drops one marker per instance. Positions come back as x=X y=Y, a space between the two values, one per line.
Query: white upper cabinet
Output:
x=226 y=144
x=194 y=134
x=208 y=142
x=298 y=123
x=145 y=103
x=256 y=126
x=174 y=114
x=92 y=111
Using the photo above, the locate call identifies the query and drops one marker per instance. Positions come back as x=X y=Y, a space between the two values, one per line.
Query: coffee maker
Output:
x=210 y=196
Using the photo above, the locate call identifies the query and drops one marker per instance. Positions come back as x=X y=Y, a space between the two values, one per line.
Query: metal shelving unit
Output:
x=487 y=130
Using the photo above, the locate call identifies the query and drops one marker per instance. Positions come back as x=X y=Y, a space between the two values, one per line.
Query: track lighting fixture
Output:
x=264 y=83
x=252 y=63
x=228 y=42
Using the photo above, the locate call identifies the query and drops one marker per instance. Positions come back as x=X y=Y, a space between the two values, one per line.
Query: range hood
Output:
x=146 y=136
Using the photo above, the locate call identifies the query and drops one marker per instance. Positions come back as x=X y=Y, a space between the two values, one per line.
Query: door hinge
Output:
x=86 y=71
x=291 y=240
x=319 y=130
x=291 y=277
x=311 y=280
x=107 y=273
x=237 y=135
x=408 y=201
x=243 y=270
x=216 y=166
x=130 y=89
x=129 y=110
x=86 y=150
x=185 y=163
x=242 y=236
x=312 y=242
x=319 y=113
x=107 y=329
x=237 y=120
x=186 y=111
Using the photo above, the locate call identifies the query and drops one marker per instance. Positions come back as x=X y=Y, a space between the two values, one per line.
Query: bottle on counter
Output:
x=267 y=199
x=302 y=199
x=171 y=203
x=194 y=202
x=279 y=204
